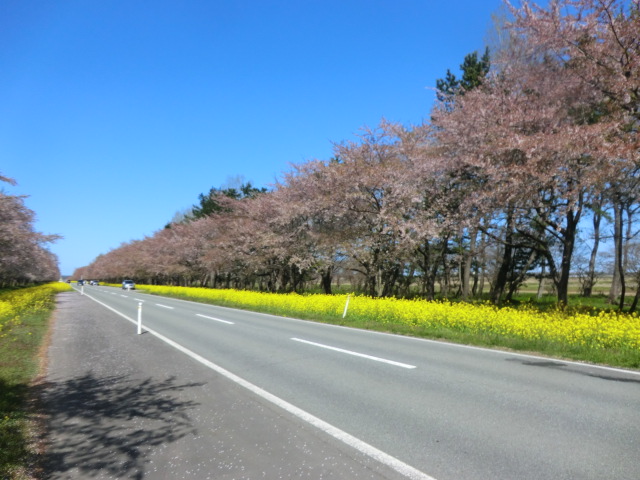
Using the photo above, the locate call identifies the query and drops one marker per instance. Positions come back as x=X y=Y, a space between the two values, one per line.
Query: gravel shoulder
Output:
x=128 y=406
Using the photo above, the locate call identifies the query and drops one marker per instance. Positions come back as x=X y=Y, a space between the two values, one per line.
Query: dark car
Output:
x=80 y=282
x=128 y=285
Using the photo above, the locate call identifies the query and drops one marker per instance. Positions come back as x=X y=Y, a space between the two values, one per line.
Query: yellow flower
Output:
x=598 y=330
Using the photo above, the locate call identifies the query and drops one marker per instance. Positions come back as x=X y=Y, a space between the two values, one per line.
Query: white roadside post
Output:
x=139 y=318
x=346 y=306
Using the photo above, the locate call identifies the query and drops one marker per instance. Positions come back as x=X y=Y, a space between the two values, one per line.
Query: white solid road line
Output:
x=355 y=354
x=214 y=318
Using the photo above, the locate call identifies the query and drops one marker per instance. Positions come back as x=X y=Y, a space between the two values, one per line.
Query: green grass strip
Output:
x=24 y=320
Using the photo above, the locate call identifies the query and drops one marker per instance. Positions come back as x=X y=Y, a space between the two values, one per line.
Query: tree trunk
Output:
x=619 y=251
x=505 y=265
x=515 y=283
x=379 y=282
x=407 y=281
x=483 y=265
x=446 y=270
x=591 y=272
x=465 y=278
x=568 y=244
x=636 y=297
x=628 y=237
x=614 y=291
x=429 y=271
x=325 y=280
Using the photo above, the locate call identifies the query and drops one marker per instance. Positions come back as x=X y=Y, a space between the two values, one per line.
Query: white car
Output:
x=128 y=285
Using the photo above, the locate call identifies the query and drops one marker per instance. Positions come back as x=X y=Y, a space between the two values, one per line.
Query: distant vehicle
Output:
x=80 y=282
x=128 y=285
x=94 y=282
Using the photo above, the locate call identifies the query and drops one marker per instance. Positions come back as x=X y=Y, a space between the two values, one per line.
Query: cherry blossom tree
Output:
x=599 y=43
x=539 y=160
x=359 y=204
x=598 y=39
x=318 y=230
x=24 y=257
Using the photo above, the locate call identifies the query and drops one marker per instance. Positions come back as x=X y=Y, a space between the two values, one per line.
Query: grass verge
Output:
x=21 y=338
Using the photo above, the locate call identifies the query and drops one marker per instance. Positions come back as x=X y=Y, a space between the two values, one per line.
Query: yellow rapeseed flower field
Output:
x=595 y=330
x=14 y=304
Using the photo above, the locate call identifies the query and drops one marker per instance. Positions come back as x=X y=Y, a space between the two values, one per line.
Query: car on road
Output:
x=94 y=282
x=80 y=282
x=128 y=285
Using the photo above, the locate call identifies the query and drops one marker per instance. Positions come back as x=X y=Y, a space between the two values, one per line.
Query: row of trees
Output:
x=24 y=257
x=519 y=157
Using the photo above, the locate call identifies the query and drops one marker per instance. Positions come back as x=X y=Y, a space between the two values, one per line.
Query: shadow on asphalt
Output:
x=104 y=426
x=620 y=377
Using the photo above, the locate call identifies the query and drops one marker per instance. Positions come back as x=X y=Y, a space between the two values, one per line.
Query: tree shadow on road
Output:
x=104 y=426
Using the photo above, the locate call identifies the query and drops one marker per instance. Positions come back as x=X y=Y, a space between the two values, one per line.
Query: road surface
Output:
x=420 y=409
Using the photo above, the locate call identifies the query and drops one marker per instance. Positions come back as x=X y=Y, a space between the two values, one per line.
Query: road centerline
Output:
x=215 y=319
x=165 y=306
x=355 y=354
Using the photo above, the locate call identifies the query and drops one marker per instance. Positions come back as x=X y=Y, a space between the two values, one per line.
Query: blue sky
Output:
x=115 y=115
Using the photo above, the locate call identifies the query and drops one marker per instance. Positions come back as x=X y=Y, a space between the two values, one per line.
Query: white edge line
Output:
x=165 y=306
x=355 y=354
x=214 y=318
x=363 y=447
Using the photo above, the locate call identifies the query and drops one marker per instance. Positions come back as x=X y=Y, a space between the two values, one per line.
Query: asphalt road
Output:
x=420 y=409
x=128 y=406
